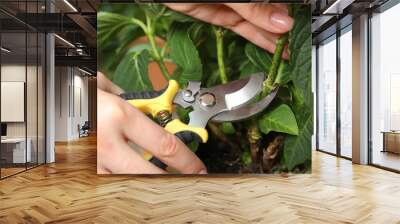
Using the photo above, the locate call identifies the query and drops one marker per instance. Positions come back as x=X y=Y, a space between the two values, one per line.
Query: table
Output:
x=13 y=150
x=391 y=141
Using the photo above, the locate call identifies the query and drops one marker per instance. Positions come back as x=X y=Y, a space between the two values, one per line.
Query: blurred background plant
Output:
x=183 y=48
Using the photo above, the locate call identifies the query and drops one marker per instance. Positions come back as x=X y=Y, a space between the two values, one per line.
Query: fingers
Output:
x=217 y=14
x=163 y=145
x=106 y=85
x=258 y=36
x=281 y=7
x=266 y=16
x=126 y=160
x=136 y=127
x=113 y=152
x=247 y=20
x=123 y=160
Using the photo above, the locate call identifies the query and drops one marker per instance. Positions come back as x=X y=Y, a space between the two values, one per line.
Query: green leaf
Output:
x=109 y=19
x=131 y=73
x=115 y=32
x=284 y=95
x=184 y=54
x=183 y=113
x=300 y=57
x=196 y=31
x=153 y=9
x=177 y=73
x=177 y=16
x=232 y=48
x=247 y=68
x=121 y=8
x=110 y=23
x=139 y=48
x=213 y=79
x=234 y=55
x=280 y=119
x=125 y=37
x=246 y=157
x=283 y=75
x=228 y=128
x=297 y=149
x=259 y=57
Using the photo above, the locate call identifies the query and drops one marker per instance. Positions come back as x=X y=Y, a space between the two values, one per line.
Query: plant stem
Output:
x=253 y=136
x=276 y=61
x=156 y=53
x=219 y=36
x=253 y=132
x=139 y=23
x=221 y=136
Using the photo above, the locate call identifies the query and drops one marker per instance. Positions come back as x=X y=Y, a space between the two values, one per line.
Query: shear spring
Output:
x=163 y=117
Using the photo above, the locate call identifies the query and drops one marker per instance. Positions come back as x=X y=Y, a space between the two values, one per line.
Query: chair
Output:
x=84 y=130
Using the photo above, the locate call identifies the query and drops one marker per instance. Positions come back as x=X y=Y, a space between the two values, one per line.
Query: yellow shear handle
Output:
x=176 y=126
x=164 y=102
x=160 y=103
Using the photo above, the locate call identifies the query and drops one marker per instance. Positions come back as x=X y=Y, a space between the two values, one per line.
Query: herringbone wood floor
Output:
x=69 y=191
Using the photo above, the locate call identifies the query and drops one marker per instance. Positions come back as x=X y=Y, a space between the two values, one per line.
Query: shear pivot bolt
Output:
x=188 y=93
x=207 y=100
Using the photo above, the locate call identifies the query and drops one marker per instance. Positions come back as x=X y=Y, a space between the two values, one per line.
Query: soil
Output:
x=219 y=158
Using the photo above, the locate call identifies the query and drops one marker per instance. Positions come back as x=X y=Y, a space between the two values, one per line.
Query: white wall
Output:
x=80 y=96
x=61 y=103
x=16 y=73
x=13 y=101
x=71 y=103
x=33 y=127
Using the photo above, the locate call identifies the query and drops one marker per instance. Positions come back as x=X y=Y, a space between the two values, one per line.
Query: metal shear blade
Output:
x=247 y=111
x=209 y=102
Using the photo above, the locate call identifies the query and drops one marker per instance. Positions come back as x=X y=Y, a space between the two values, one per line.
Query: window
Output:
x=385 y=89
x=22 y=76
x=15 y=150
x=327 y=96
x=346 y=92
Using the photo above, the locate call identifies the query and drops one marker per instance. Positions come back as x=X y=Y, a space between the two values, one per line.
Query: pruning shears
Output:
x=223 y=103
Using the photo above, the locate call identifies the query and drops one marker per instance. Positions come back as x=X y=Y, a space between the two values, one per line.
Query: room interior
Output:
x=333 y=74
x=48 y=66
x=25 y=92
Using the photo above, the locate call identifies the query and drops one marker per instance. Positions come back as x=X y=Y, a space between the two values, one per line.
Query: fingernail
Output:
x=281 y=21
x=203 y=172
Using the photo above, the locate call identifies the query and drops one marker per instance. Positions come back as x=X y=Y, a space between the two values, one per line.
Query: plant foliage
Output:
x=214 y=55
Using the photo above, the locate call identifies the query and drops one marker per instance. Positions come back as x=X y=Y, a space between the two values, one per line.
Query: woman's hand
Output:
x=120 y=123
x=259 y=23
